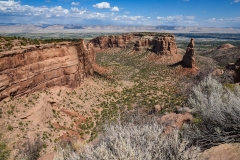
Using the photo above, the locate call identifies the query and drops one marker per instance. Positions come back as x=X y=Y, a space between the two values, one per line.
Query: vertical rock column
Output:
x=188 y=58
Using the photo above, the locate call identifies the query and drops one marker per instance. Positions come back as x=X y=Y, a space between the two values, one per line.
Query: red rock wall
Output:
x=27 y=70
x=160 y=44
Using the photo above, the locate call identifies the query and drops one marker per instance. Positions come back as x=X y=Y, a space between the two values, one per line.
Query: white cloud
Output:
x=171 y=18
x=115 y=9
x=8 y=3
x=15 y=12
x=177 y=20
x=132 y=18
x=102 y=5
x=15 y=8
x=106 y=5
x=75 y=3
x=224 y=20
x=190 y=17
x=236 y=1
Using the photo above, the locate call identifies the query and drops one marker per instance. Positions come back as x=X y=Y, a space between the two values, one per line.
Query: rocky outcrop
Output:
x=225 y=46
x=36 y=68
x=160 y=43
x=229 y=151
x=188 y=58
x=175 y=121
x=236 y=68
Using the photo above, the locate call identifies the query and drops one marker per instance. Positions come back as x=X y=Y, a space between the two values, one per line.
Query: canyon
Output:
x=49 y=91
x=32 y=68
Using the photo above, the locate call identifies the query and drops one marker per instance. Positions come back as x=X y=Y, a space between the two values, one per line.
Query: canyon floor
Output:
x=126 y=80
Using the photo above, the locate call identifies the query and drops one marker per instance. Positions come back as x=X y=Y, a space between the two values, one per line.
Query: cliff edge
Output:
x=39 y=67
x=160 y=43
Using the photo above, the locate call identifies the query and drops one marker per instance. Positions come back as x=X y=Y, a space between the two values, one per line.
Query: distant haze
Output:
x=71 y=28
x=204 y=13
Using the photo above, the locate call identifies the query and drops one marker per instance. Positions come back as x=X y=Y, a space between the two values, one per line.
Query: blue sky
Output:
x=209 y=13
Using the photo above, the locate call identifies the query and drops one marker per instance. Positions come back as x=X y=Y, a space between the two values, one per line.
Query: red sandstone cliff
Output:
x=34 y=68
x=160 y=43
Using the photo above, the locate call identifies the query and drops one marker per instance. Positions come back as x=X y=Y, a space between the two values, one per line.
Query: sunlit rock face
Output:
x=160 y=43
x=189 y=57
x=39 y=67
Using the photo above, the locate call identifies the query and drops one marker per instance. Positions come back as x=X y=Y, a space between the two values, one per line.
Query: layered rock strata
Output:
x=160 y=43
x=189 y=58
x=40 y=67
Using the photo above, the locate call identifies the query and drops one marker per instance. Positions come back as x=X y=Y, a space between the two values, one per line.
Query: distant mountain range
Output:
x=72 y=28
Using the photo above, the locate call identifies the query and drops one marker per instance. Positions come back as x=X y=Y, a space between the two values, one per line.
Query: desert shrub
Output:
x=219 y=110
x=137 y=142
x=65 y=153
x=216 y=103
x=4 y=151
x=130 y=141
x=31 y=150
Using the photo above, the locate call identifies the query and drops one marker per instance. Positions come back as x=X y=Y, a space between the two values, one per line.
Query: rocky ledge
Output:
x=160 y=43
x=39 y=67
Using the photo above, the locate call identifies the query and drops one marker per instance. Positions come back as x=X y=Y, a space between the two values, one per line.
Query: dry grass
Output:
x=217 y=111
x=145 y=141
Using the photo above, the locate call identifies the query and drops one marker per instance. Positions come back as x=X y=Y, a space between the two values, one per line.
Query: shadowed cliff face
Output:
x=35 y=68
x=236 y=68
x=163 y=44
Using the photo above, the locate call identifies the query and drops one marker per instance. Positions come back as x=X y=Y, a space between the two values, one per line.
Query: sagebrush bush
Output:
x=219 y=111
x=216 y=103
x=136 y=142
x=65 y=154
x=31 y=150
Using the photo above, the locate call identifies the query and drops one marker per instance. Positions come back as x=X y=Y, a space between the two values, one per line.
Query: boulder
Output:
x=229 y=151
x=172 y=121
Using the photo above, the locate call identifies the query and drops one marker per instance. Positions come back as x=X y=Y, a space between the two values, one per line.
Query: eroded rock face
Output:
x=188 y=58
x=159 y=43
x=36 y=68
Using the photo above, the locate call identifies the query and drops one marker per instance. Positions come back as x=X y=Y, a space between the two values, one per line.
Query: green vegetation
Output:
x=7 y=43
x=10 y=128
x=217 y=36
x=4 y=151
x=47 y=36
x=206 y=41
